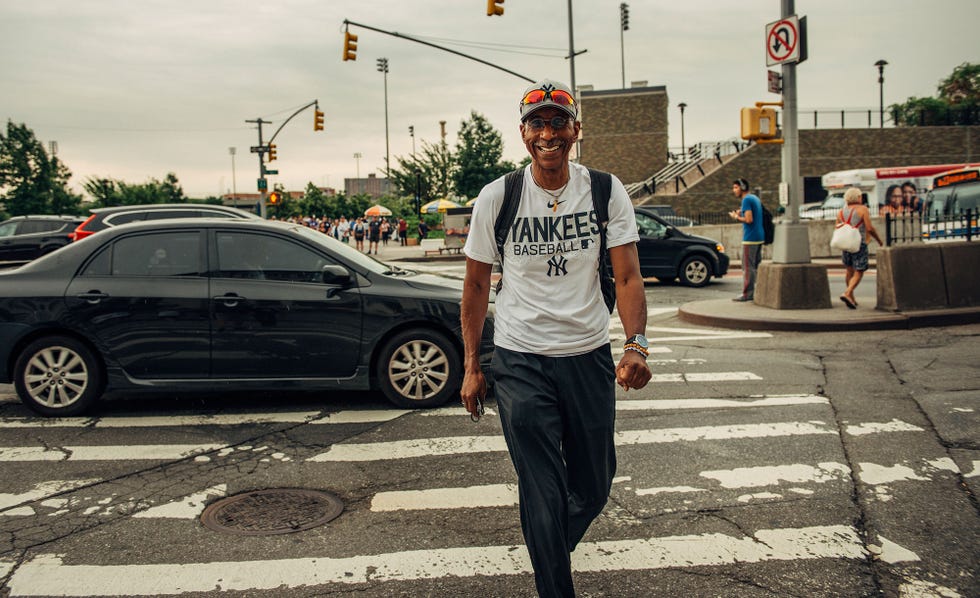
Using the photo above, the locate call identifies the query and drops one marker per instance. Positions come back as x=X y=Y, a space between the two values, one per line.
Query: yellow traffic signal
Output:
x=495 y=7
x=272 y=152
x=275 y=197
x=759 y=123
x=317 y=120
x=350 y=46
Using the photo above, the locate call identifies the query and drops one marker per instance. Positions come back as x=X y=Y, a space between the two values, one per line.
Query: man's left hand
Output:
x=632 y=371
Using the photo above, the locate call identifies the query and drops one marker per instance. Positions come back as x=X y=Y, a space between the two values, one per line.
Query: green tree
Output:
x=958 y=102
x=31 y=181
x=478 y=151
x=108 y=192
x=436 y=167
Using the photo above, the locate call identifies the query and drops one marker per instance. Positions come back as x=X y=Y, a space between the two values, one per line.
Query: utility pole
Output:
x=263 y=185
x=383 y=68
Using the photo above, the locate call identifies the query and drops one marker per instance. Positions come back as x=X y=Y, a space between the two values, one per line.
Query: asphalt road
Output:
x=754 y=465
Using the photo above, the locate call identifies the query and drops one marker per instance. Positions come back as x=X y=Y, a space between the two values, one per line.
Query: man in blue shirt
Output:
x=753 y=236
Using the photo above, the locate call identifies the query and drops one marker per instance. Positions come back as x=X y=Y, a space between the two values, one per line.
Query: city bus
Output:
x=951 y=205
x=874 y=182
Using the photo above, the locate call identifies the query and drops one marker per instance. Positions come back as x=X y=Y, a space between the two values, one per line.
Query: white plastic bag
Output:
x=846 y=238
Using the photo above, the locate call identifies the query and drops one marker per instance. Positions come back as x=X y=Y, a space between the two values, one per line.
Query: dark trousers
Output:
x=751 y=258
x=558 y=416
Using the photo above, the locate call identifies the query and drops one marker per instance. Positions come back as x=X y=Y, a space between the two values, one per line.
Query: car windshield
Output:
x=343 y=250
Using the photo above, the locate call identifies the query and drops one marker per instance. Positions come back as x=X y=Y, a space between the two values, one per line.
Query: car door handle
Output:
x=230 y=299
x=93 y=297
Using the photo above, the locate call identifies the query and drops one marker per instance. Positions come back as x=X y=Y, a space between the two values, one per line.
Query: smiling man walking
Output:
x=553 y=369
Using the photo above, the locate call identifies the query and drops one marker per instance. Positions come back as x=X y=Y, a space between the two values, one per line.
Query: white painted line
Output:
x=667 y=490
x=755 y=477
x=494 y=495
x=705 y=377
x=893 y=553
x=5 y=567
x=220 y=419
x=671 y=404
x=189 y=507
x=105 y=453
x=975 y=472
x=46 y=575
x=452 y=445
x=42 y=490
x=895 y=425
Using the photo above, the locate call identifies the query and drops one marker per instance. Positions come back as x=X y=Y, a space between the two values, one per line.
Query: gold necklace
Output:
x=554 y=206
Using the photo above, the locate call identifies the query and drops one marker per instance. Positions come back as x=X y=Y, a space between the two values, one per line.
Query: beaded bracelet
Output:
x=637 y=348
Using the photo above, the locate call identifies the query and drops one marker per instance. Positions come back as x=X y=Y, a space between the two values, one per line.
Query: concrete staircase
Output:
x=678 y=176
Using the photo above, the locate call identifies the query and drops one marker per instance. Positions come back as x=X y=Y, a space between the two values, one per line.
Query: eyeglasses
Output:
x=536 y=96
x=556 y=122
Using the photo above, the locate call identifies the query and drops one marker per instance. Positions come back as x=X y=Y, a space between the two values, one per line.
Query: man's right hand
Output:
x=474 y=387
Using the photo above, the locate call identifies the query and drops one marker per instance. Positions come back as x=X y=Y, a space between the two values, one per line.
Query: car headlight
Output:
x=719 y=248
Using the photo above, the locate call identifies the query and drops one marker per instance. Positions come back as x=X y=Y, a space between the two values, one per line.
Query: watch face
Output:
x=640 y=340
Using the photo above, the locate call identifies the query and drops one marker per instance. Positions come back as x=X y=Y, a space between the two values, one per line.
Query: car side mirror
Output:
x=336 y=275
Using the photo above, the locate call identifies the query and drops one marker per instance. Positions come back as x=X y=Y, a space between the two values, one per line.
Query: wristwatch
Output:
x=637 y=343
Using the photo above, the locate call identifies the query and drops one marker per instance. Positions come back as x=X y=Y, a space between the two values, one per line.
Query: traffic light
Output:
x=317 y=120
x=272 y=152
x=495 y=7
x=759 y=123
x=350 y=46
x=624 y=16
x=275 y=197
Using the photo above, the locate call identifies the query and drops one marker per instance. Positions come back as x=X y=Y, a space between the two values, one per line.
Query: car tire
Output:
x=695 y=271
x=58 y=376
x=419 y=368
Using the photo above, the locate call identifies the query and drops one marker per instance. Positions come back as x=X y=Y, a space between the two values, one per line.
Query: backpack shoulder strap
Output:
x=513 y=186
x=601 y=191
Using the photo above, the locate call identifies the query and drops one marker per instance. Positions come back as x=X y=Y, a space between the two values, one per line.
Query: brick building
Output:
x=624 y=131
x=371 y=186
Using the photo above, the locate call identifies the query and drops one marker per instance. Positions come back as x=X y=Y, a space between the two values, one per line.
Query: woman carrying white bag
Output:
x=851 y=236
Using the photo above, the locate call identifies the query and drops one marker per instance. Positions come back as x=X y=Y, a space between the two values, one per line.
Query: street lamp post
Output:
x=411 y=133
x=624 y=25
x=234 y=186
x=682 y=106
x=881 y=92
x=383 y=68
x=357 y=161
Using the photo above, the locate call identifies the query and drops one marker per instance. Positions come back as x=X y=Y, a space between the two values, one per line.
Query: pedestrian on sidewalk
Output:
x=553 y=369
x=859 y=217
x=749 y=214
x=374 y=235
x=403 y=231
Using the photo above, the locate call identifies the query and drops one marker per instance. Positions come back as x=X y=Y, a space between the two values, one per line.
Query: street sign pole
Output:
x=792 y=244
x=261 y=183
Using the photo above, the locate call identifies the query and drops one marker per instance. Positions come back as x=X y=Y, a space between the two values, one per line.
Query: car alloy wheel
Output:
x=419 y=368
x=57 y=376
x=696 y=271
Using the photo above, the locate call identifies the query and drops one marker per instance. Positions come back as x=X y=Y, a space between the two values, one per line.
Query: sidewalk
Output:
x=724 y=313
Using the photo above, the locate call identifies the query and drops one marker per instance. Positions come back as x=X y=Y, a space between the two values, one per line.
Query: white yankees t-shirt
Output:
x=551 y=302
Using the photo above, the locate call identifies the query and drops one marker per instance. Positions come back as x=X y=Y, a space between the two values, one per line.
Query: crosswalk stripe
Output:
x=105 y=453
x=451 y=445
x=42 y=490
x=406 y=449
x=47 y=575
x=189 y=507
x=219 y=419
x=491 y=495
x=705 y=377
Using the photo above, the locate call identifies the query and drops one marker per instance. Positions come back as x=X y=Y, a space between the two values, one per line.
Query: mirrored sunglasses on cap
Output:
x=536 y=96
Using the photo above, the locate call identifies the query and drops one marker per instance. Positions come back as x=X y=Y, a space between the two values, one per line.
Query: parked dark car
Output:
x=230 y=304
x=24 y=238
x=103 y=218
x=667 y=253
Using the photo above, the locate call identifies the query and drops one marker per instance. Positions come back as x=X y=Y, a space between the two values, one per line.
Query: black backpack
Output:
x=768 y=228
x=601 y=190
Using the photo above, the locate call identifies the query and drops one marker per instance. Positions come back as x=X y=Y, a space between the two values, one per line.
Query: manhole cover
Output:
x=273 y=511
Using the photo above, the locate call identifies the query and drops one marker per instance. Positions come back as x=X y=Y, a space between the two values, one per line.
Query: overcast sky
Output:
x=134 y=89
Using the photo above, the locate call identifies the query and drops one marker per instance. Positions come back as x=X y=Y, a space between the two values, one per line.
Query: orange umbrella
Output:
x=377 y=210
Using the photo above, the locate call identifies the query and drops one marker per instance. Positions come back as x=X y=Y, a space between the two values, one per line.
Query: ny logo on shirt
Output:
x=557 y=266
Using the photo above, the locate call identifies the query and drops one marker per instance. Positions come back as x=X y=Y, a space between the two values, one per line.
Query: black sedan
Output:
x=668 y=253
x=209 y=304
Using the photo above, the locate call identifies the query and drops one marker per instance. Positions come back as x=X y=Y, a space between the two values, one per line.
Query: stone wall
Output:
x=624 y=131
x=823 y=151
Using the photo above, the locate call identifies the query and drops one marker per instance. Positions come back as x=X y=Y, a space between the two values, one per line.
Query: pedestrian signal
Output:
x=495 y=8
x=759 y=123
